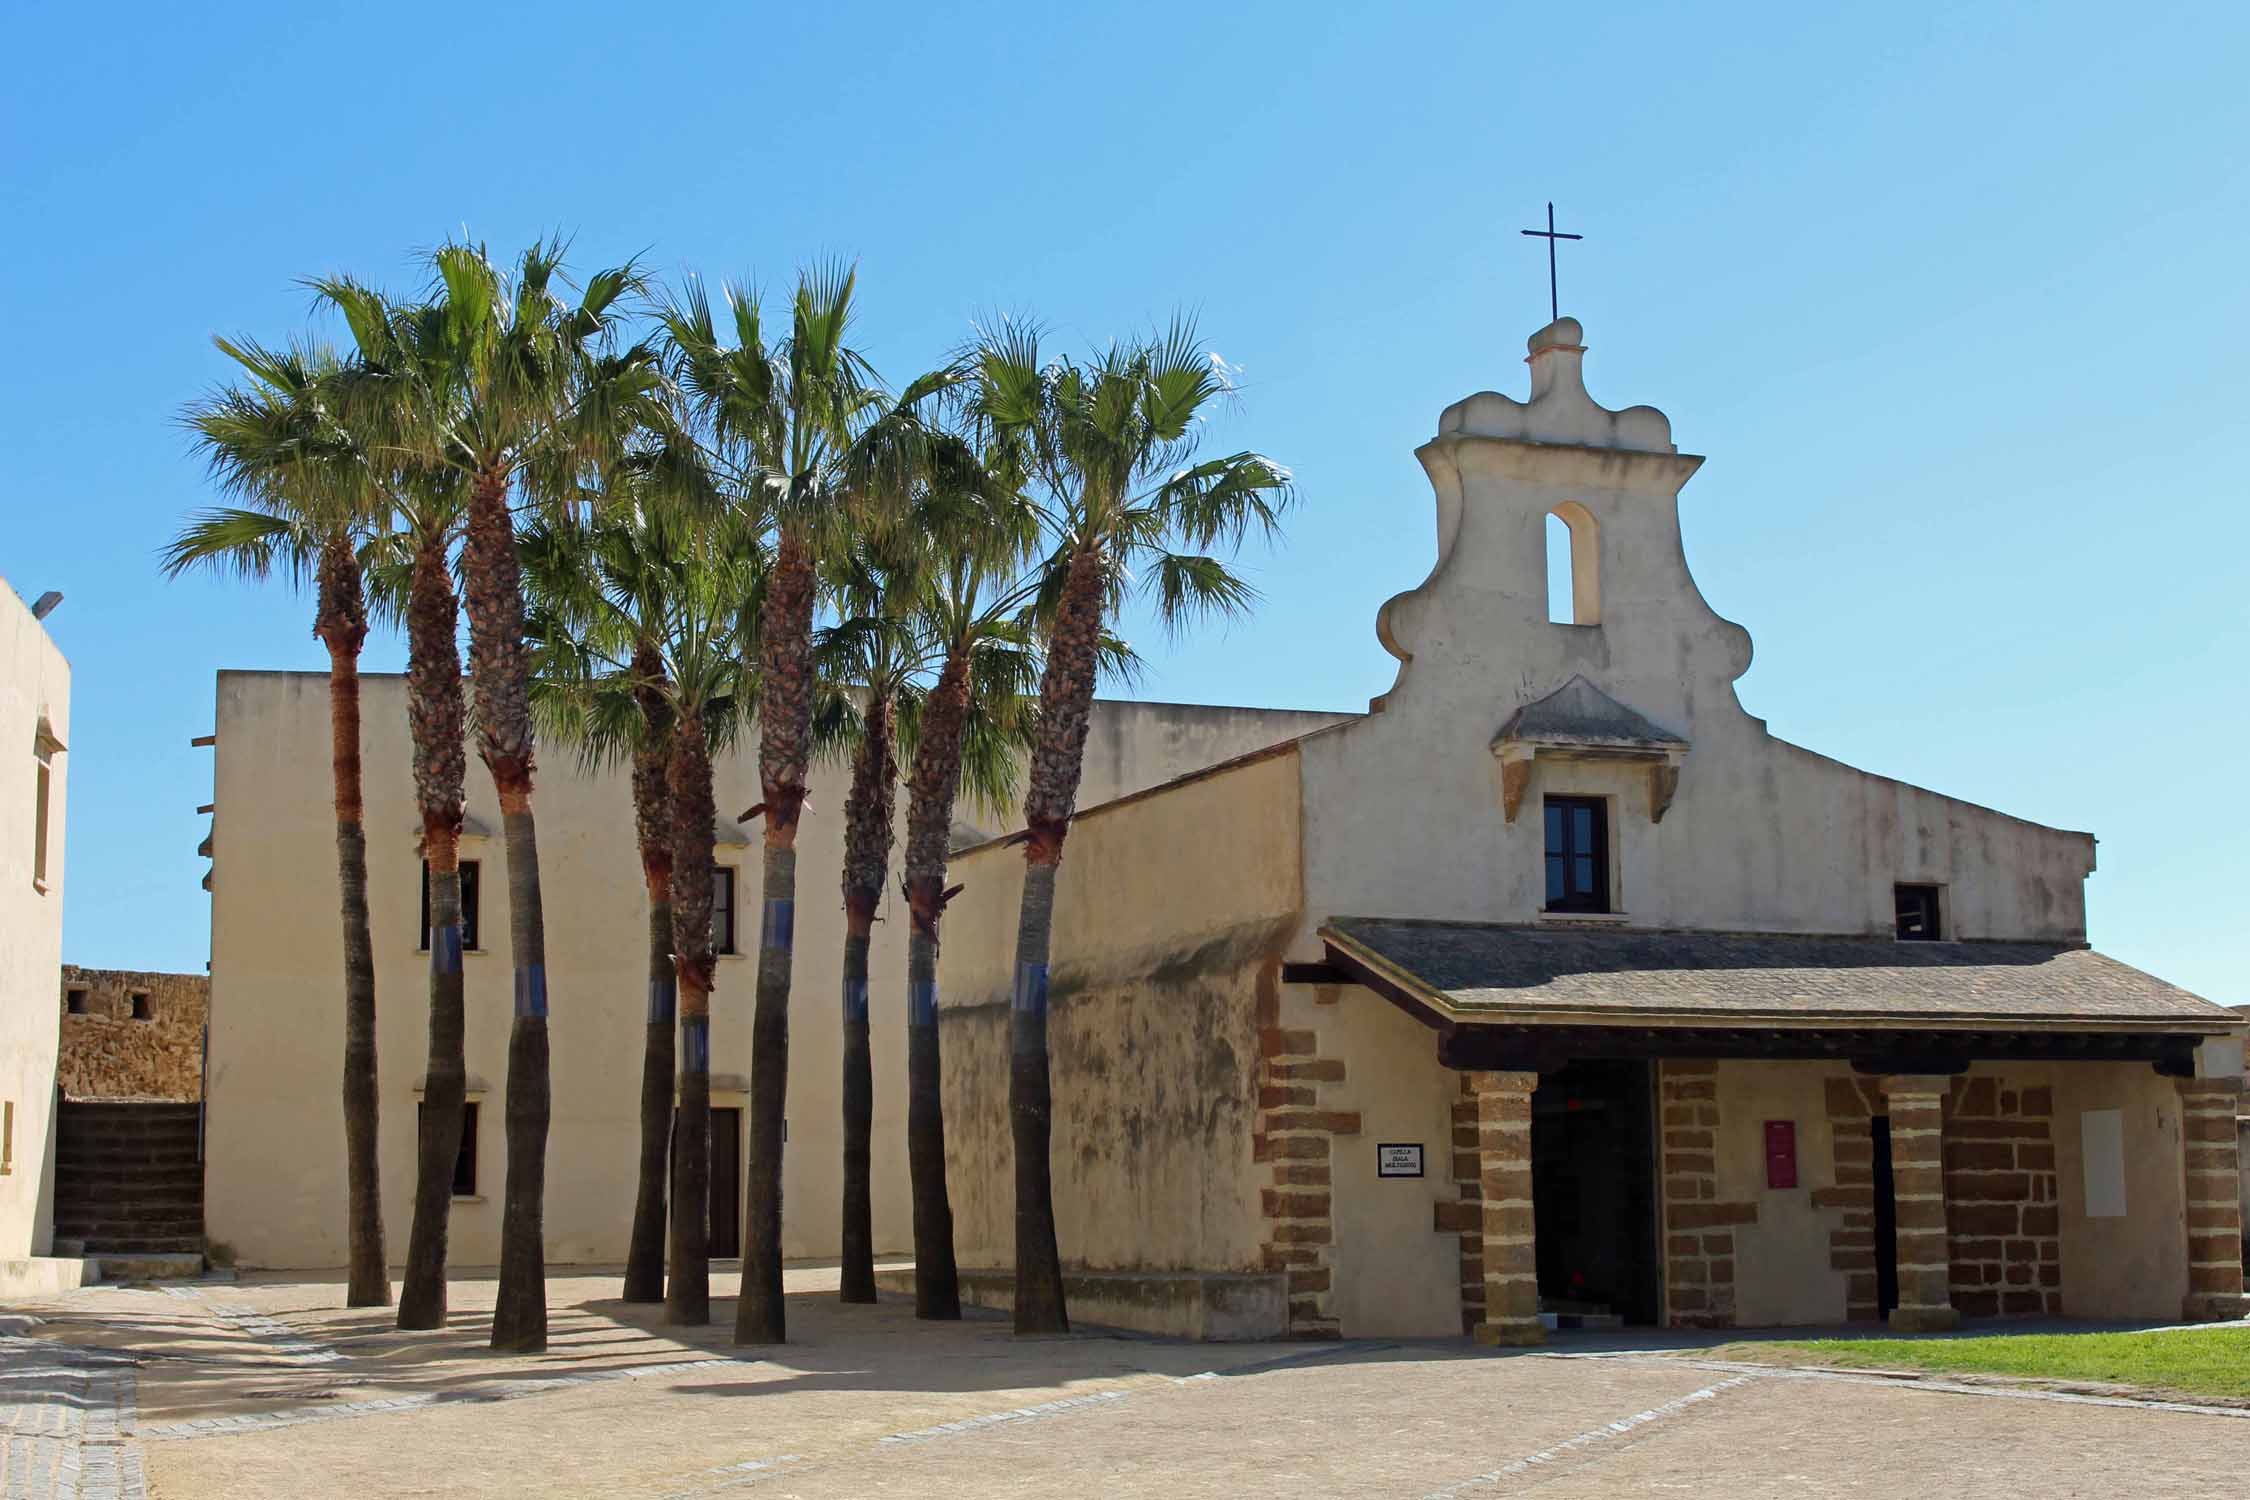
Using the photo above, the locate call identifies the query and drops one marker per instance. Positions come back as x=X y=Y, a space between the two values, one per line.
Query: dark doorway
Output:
x=1886 y=1223
x=726 y=1184
x=1593 y=1184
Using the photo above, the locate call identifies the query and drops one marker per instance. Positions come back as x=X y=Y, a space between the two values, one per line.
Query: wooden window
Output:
x=469 y=885
x=1917 y=907
x=74 y=1000
x=1577 y=854
x=7 y=1137
x=464 y=1164
x=722 y=909
x=144 y=1008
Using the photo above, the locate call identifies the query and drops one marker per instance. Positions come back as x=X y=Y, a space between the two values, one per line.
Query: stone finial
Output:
x=1557 y=357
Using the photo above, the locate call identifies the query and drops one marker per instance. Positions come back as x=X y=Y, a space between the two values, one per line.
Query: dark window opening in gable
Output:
x=1917 y=907
x=74 y=1001
x=1577 y=854
x=722 y=909
x=469 y=883
x=144 y=1009
x=465 y=1163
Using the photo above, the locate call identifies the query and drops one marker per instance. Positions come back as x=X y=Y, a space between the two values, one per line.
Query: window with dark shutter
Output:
x=469 y=883
x=1577 y=854
x=1917 y=907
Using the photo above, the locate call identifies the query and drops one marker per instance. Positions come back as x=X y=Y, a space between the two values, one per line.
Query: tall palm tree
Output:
x=412 y=579
x=500 y=378
x=1108 y=447
x=786 y=428
x=274 y=441
x=649 y=605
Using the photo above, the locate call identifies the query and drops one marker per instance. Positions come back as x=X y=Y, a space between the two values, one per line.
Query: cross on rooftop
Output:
x=1550 y=235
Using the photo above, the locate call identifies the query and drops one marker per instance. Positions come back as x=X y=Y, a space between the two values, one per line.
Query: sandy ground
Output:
x=270 y=1388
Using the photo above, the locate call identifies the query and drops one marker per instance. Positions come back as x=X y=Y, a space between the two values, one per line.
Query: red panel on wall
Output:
x=1781 y=1153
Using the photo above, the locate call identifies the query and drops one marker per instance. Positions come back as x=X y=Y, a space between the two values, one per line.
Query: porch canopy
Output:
x=1507 y=996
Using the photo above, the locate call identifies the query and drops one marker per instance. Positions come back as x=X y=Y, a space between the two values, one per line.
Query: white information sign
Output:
x=1398 y=1159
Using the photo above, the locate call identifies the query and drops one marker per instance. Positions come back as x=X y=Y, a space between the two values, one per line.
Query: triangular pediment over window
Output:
x=1578 y=721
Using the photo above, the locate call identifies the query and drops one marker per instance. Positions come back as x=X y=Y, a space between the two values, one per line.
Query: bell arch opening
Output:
x=1574 y=573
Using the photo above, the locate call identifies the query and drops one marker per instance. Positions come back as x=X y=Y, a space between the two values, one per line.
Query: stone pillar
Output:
x=2214 y=1198
x=1511 y=1250
x=1925 y=1292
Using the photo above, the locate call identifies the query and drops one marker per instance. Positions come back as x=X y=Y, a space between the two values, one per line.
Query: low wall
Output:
x=109 y=1054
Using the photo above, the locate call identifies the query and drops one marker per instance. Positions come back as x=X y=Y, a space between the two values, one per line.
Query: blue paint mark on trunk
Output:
x=1031 y=989
x=780 y=930
x=855 y=1001
x=695 y=1044
x=531 y=991
x=921 y=1003
x=663 y=998
x=445 y=951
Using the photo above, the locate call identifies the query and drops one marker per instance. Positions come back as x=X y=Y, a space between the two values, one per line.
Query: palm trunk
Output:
x=688 y=1299
x=1066 y=699
x=500 y=671
x=433 y=689
x=785 y=734
x=652 y=817
x=931 y=789
x=867 y=850
x=343 y=626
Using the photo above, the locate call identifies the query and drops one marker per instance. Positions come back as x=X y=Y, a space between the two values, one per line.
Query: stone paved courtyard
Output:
x=268 y=1388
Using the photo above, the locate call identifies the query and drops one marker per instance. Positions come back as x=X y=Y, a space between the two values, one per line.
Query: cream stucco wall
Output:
x=274 y=1185
x=34 y=688
x=2134 y=1266
x=1781 y=1266
x=1153 y=1026
x=1762 y=835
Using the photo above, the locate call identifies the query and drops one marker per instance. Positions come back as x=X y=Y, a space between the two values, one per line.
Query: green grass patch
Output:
x=2211 y=1362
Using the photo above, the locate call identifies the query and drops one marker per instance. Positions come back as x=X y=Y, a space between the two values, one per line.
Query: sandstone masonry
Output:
x=132 y=1034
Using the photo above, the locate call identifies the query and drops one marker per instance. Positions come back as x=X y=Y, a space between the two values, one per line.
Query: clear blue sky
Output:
x=1954 y=302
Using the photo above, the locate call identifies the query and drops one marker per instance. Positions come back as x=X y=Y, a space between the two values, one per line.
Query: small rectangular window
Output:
x=1917 y=907
x=144 y=1008
x=469 y=885
x=8 y=1136
x=74 y=1000
x=722 y=909
x=465 y=1163
x=39 y=827
x=1577 y=854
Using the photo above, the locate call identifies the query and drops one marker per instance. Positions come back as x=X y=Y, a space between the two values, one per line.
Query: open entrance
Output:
x=726 y=1184
x=1593 y=1185
x=1886 y=1223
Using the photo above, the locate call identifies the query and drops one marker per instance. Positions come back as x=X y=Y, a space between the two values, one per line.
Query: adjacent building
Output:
x=35 y=735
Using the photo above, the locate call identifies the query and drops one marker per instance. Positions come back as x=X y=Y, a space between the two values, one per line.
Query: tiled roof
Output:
x=1476 y=971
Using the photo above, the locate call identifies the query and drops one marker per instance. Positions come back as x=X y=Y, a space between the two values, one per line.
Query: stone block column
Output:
x=1925 y=1276
x=2208 y=1107
x=1511 y=1249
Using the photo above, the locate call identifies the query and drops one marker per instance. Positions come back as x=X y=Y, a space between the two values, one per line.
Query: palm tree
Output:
x=787 y=428
x=642 y=617
x=1107 y=446
x=274 y=441
x=413 y=582
x=498 y=377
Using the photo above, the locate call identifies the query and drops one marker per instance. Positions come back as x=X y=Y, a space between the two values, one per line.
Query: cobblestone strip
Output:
x=1602 y=1434
x=512 y=1390
x=65 y=1424
x=276 y=1335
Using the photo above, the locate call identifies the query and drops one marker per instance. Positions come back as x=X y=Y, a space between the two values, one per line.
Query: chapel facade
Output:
x=1557 y=990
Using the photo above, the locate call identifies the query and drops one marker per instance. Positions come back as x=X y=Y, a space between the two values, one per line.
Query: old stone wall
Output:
x=132 y=1034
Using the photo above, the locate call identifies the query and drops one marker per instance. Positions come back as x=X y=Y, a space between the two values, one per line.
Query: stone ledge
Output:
x=1215 y=1306
x=46 y=1275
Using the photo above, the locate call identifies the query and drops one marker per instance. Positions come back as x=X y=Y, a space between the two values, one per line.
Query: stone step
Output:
x=132 y=1205
x=151 y=1267
x=145 y=1244
x=104 y=1231
x=149 y=1154
x=70 y=1136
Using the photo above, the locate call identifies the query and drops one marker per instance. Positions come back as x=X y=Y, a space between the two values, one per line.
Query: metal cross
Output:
x=1549 y=234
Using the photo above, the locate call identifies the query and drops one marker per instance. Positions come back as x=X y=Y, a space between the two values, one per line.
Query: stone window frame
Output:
x=44 y=744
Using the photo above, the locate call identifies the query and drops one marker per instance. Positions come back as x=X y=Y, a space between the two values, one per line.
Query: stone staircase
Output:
x=129 y=1188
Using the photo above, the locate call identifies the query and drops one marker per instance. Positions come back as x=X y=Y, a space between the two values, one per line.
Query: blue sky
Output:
x=1953 y=301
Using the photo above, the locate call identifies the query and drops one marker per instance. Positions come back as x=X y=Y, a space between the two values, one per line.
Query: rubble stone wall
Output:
x=109 y=1054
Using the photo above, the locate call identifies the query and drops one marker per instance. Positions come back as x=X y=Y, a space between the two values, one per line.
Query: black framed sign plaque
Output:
x=1398 y=1159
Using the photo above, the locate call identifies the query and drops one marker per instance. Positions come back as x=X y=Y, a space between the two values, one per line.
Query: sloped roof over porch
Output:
x=1499 y=989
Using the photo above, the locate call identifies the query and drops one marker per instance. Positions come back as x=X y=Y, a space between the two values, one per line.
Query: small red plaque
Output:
x=1781 y=1153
